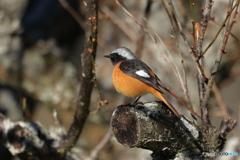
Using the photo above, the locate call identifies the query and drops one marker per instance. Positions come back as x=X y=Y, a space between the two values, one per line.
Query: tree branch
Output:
x=140 y=40
x=152 y=126
x=214 y=71
x=184 y=83
x=87 y=58
x=74 y=13
x=180 y=29
x=199 y=41
x=28 y=140
x=220 y=29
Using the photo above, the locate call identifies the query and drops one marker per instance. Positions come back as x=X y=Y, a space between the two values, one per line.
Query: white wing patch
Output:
x=142 y=73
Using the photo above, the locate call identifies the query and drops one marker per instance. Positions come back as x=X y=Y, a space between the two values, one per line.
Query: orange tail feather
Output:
x=161 y=97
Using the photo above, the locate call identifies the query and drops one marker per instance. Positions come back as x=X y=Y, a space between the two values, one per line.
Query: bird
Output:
x=134 y=78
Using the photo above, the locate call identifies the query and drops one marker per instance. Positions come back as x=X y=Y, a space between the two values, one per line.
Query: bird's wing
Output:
x=141 y=71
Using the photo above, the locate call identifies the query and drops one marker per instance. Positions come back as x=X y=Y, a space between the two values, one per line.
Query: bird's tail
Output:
x=179 y=100
x=161 y=97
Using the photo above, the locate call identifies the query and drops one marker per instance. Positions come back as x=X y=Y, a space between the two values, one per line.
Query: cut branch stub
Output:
x=150 y=126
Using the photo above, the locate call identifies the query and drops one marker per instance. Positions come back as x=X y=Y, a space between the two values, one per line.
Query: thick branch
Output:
x=227 y=125
x=28 y=140
x=152 y=126
x=87 y=58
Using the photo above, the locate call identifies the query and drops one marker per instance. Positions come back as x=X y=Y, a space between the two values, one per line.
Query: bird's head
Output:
x=120 y=54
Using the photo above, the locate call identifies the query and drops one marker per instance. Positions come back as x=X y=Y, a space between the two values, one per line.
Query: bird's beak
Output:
x=107 y=56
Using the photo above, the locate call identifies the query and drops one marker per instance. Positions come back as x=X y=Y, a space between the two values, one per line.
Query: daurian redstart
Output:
x=133 y=78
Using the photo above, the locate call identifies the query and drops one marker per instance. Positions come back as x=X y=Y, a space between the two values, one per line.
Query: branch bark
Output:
x=154 y=127
x=140 y=40
x=87 y=58
x=180 y=30
x=199 y=42
x=215 y=69
x=28 y=140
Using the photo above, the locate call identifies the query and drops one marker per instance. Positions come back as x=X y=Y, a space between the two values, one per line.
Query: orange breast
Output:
x=128 y=85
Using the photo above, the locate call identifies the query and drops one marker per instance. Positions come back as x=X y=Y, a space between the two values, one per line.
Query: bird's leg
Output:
x=135 y=100
x=133 y=103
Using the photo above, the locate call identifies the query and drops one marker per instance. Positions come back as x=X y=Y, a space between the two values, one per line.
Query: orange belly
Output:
x=128 y=85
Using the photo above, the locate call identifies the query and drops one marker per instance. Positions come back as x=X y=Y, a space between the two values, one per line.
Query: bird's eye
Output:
x=114 y=55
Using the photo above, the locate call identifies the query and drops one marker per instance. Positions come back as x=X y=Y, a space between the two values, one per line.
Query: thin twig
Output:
x=233 y=35
x=100 y=99
x=154 y=37
x=201 y=87
x=168 y=56
x=101 y=144
x=204 y=22
x=220 y=101
x=215 y=68
x=129 y=32
x=184 y=82
x=140 y=39
x=180 y=29
x=130 y=15
x=74 y=13
x=199 y=41
x=193 y=22
x=231 y=25
x=220 y=29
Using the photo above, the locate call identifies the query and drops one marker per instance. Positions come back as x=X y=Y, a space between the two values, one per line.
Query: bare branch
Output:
x=220 y=29
x=140 y=39
x=22 y=138
x=180 y=29
x=227 y=126
x=199 y=41
x=201 y=85
x=204 y=22
x=87 y=57
x=101 y=144
x=220 y=101
x=154 y=38
x=184 y=83
x=149 y=130
x=214 y=72
x=193 y=22
x=74 y=13
x=112 y=16
x=233 y=35
x=232 y=22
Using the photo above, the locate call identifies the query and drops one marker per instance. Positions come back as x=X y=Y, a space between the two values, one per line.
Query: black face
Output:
x=115 y=58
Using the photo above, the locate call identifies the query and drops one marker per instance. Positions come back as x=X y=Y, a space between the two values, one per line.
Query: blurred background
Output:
x=40 y=47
